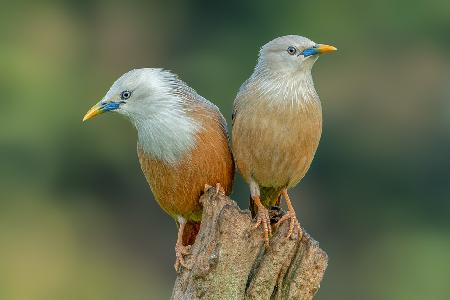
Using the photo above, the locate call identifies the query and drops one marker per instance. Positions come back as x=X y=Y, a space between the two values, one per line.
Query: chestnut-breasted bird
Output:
x=182 y=143
x=277 y=123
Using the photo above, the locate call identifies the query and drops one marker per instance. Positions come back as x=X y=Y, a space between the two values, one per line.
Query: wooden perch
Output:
x=229 y=260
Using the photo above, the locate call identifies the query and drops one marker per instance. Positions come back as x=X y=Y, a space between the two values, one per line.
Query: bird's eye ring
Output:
x=291 y=50
x=125 y=95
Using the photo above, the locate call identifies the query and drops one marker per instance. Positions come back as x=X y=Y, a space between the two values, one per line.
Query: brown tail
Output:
x=190 y=232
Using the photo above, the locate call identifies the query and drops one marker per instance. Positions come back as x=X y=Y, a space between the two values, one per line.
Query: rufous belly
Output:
x=177 y=187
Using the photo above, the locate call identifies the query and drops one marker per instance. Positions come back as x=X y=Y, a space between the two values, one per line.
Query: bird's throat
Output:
x=285 y=89
x=167 y=137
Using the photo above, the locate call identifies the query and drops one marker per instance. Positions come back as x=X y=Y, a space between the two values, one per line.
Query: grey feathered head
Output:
x=291 y=53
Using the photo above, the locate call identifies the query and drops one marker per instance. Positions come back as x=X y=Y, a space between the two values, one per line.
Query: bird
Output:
x=277 y=124
x=182 y=144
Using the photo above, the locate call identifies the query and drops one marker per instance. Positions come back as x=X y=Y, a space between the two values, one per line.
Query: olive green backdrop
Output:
x=77 y=219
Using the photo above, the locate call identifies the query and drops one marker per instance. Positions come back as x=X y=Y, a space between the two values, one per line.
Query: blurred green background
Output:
x=77 y=219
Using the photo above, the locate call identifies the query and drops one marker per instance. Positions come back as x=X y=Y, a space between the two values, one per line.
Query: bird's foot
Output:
x=293 y=223
x=207 y=187
x=180 y=252
x=262 y=218
x=219 y=189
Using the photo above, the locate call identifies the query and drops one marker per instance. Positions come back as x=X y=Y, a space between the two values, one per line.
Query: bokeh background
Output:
x=77 y=219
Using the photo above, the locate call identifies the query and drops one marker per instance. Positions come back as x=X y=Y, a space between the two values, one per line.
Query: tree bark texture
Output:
x=229 y=260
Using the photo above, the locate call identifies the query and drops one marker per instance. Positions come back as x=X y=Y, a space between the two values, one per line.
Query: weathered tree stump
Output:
x=229 y=260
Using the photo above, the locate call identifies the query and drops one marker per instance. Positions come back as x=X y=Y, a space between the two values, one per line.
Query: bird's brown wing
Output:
x=233 y=115
x=242 y=90
x=192 y=98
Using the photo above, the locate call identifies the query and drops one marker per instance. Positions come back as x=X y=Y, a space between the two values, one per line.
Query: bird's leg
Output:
x=180 y=250
x=262 y=218
x=290 y=215
x=206 y=188
x=219 y=189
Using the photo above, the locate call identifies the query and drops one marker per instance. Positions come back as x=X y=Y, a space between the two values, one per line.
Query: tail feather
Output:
x=190 y=232
x=269 y=197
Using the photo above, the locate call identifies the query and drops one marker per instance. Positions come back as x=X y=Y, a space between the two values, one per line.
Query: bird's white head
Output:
x=139 y=94
x=290 y=54
x=148 y=98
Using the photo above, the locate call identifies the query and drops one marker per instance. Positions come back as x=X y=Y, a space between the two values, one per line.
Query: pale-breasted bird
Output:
x=182 y=143
x=277 y=123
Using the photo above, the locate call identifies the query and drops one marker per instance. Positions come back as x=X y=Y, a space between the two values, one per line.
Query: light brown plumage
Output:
x=275 y=145
x=277 y=124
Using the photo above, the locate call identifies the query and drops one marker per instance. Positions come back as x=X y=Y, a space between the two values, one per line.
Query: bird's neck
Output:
x=285 y=88
x=167 y=135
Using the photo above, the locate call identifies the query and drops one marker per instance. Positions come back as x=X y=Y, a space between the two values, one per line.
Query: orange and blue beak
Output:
x=100 y=108
x=318 y=49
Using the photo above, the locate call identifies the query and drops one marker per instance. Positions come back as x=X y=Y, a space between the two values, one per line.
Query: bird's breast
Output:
x=275 y=143
x=178 y=186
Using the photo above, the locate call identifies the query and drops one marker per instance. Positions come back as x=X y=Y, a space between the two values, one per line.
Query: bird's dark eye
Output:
x=125 y=95
x=291 y=50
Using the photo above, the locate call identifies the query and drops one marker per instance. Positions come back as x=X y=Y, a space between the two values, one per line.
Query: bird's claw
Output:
x=207 y=187
x=294 y=223
x=180 y=252
x=219 y=189
x=262 y=218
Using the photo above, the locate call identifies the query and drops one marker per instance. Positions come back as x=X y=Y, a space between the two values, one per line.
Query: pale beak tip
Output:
x=95 y=110
x=324 y=48
x=86 y=117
